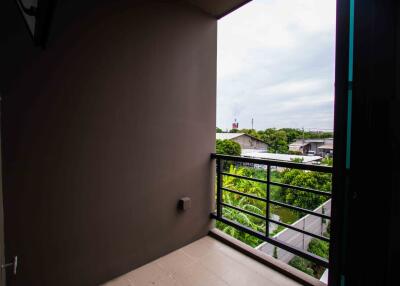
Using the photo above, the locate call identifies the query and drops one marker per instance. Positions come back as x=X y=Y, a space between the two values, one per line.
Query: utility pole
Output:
x=252 y=123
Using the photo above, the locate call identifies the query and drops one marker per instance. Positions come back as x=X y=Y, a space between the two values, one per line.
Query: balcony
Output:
x=219 y=259
x=108 y=127
x=204 y=262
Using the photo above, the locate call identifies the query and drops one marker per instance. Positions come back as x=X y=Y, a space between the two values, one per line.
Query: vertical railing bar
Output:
x=219 y=187
x=267 y=211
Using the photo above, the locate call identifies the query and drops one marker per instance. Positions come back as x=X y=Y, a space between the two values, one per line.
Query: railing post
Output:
x=267 y=211
x=220 y=166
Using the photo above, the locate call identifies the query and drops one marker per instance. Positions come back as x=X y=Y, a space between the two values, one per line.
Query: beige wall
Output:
x=102 y=133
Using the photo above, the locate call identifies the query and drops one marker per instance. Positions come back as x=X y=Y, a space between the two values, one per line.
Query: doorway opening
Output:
x=275 y=114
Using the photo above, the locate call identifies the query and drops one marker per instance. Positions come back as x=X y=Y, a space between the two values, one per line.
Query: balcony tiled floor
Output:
x=205 y=262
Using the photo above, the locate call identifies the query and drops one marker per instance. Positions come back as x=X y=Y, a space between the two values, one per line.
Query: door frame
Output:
x=2 y=248
x=342 y=142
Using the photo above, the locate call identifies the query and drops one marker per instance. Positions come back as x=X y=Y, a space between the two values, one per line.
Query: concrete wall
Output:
x=310 y=223
x=102 y=133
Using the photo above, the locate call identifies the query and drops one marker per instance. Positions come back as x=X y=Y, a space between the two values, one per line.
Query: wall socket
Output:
x=184 y=203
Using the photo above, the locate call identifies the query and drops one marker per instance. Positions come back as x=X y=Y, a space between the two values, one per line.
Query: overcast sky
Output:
x=276 y=65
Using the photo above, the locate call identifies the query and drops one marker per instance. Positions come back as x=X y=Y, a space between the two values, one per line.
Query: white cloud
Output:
x=276 y=64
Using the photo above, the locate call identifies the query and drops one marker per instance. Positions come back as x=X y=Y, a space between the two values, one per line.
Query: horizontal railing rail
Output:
x=277 y=163
x=218 y=215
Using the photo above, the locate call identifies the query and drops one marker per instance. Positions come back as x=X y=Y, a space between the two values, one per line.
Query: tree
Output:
x=302 y=265
x=327 y=161
x=294 y=152
x=292 y=134
x=245 y=203
x=276 y=140
x=307 y=179
x=228 y=147
x=319 y=247
x=251 y=132
x=218 y=130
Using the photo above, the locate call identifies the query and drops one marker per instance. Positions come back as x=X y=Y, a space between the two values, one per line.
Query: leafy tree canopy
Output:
x=319 y=247
x=276 y=140
x=327 y=161
x=313 y=180
x=228 y=147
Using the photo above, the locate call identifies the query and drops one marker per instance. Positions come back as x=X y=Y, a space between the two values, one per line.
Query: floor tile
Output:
x=174 y=261
x=146 y=275
x=205 y=262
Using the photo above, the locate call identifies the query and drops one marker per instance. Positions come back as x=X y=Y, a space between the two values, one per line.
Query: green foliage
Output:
x=327 y=161
x=319 y=247
x=242 y=202
x=251 y=132
x=218 y=130
x=313 y=180
x=294 y=152
x=302 y=264
x=277 y=230
x=276 y=140
x=255 y=206
x=296 y=177
x=228 y=147
x=292 y=134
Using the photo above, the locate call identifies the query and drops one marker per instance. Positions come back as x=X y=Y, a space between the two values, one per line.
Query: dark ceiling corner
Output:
x=220 y=8
x=37 y=19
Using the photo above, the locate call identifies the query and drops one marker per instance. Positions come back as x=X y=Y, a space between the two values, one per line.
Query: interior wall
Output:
x=102 y=133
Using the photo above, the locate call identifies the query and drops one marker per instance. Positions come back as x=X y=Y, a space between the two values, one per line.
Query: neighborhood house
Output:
x=244 y=140
x=319 y=147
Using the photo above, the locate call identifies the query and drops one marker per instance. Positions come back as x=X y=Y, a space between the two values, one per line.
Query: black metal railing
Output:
x=218 y=215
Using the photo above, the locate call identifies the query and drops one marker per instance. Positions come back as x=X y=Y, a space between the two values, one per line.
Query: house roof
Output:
x=303 y=142
x=314 y=140
x=298 y=144
x=230 y=136
x=326 y=146
x=227 y=136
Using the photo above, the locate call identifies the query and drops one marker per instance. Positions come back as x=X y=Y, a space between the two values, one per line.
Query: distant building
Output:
x=319 y=147
x=244 y=140
x=326 y=149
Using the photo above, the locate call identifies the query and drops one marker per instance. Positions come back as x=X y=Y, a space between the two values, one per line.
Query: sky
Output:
x=276 y=65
